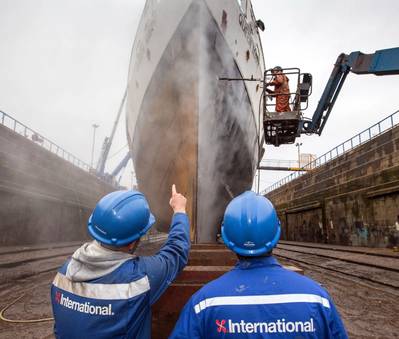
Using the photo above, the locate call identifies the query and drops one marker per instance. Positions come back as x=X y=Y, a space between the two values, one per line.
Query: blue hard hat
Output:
x=250 y=225
x=120 y=218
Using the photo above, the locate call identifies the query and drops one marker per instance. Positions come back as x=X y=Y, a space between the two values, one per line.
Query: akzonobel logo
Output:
x=278 y=326
x=85 y=307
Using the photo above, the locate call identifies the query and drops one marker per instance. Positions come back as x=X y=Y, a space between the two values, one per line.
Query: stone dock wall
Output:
x=351 y=200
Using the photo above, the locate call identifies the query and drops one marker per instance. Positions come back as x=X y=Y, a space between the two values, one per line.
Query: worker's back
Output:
x=113 y=305
x=259 y=298
x=102 y=293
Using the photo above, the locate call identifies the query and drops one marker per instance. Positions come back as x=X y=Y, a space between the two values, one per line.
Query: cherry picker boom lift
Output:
x=283 y=128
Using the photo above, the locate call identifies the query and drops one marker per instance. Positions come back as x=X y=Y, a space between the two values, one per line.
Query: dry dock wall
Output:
x=43 y=198
x=351 y=200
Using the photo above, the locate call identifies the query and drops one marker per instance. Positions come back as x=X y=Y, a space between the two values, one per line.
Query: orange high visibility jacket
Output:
x=281 y=92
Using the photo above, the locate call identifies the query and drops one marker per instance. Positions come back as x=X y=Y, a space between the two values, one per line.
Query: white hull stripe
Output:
x=261 y=300
x=102 y=291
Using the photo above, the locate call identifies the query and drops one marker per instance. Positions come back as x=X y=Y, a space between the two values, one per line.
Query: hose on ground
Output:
x=24 y=321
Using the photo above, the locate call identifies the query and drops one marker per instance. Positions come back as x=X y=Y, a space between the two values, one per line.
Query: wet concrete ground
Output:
x=35 y=304
x=368 y=310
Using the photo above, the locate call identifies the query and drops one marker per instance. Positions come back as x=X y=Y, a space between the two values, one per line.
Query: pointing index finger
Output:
x=174 y=189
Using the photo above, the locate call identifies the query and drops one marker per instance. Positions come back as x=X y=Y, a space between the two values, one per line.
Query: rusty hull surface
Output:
x=193 y=130
x=206 y=263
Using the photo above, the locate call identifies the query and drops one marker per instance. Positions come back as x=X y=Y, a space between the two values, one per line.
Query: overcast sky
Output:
x=64 y=64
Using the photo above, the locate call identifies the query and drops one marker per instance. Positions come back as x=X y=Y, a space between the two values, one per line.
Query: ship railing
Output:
x=20 y=128
x=368 y=134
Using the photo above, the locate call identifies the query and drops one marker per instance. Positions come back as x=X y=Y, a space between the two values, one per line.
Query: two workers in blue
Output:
x=104 y=290
x=258 y=298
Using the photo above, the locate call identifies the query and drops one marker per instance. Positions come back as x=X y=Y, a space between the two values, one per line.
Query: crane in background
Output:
x=106 y=147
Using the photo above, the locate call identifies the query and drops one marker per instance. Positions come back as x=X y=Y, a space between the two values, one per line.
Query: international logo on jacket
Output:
x=278 y=326
x=83 y=307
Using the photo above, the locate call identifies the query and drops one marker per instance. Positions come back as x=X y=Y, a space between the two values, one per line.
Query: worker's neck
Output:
x=242 y=257
x=131 y=248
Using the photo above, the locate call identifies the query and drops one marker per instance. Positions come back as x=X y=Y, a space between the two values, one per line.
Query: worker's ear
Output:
x=133 y=246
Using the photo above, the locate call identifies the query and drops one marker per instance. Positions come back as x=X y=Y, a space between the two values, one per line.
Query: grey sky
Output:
x=63 y=64
x=310 y=34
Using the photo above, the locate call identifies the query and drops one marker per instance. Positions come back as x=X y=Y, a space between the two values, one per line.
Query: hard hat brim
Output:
x=251 y=252
x=122 y=242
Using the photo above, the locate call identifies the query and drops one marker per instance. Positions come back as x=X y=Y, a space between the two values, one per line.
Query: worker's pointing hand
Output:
x=177 y=201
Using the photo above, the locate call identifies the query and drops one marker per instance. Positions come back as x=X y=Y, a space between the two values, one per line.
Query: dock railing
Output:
x=359 y=139
x=20 y=128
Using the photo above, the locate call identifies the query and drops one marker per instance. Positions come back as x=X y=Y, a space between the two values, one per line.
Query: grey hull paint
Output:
x=194 y=130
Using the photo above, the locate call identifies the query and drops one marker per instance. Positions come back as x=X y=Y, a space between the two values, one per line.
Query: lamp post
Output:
x=95 y=126
x=299 y=153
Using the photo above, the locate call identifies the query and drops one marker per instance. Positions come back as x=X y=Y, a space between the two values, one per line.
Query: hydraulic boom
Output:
x=382 y=62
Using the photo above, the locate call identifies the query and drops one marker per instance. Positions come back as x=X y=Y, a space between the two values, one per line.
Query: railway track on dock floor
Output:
x=382 y=270
x=23 y=262
x=379 y=252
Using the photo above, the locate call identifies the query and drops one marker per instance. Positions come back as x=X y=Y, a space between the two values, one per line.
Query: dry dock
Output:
x=364 y=287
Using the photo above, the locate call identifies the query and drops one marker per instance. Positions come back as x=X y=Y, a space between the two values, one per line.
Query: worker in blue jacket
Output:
x=104 y=290
x=258 y=298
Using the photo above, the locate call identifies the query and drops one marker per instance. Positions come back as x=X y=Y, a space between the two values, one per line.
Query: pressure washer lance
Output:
x=239 y=79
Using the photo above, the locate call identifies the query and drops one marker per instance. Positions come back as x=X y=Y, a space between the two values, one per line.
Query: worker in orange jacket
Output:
x=281 y=90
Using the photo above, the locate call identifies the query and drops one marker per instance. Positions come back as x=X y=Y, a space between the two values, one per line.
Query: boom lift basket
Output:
x=284 y=127
x=281 y=127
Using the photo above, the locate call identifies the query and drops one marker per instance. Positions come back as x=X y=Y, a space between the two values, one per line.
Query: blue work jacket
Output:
x=118 y=304
x=260 y=299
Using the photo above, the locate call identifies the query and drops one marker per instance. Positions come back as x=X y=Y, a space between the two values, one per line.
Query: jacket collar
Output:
x=92 y=261
x=257 y=262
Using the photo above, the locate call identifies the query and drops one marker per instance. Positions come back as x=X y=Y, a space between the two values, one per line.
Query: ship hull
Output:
x=194 y=130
